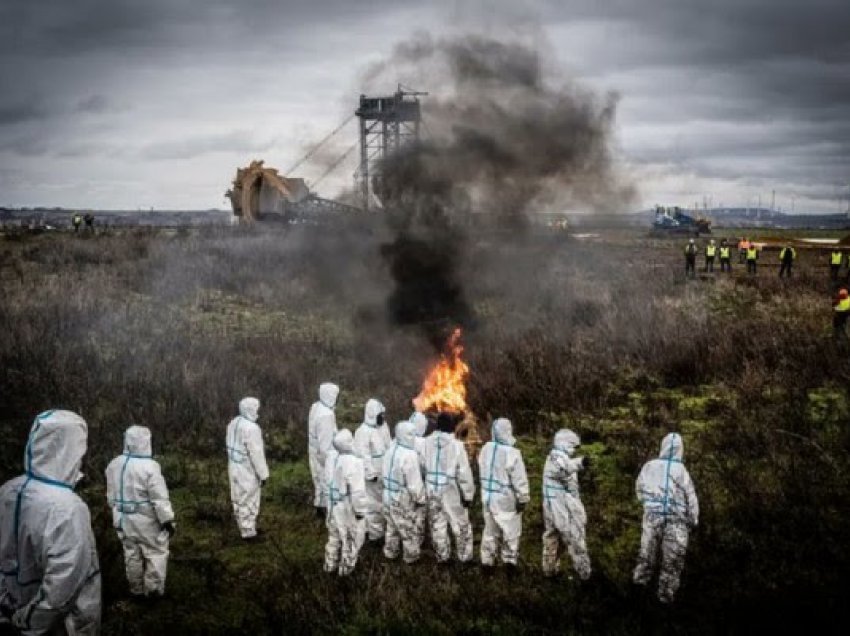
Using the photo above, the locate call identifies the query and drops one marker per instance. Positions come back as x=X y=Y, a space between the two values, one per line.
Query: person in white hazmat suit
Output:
x=246 y=466
x=420 y=423
x=404 y=494
x=670 y=511
x=347 y=505
x=50 y=581
x=450 y=488
x=321 y=428
x=504 y=495
x=564 y=518
x=371 y=441
x=141 y=512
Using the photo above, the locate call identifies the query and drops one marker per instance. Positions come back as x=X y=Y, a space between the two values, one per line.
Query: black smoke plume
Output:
x=501 y=143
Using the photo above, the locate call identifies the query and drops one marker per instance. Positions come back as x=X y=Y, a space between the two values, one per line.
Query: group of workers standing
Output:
x=366 y=485
x=376 y=487
x=78 y=219
x=749 y=252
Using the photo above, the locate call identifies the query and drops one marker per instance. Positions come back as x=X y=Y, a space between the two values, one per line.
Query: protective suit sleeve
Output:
x=640 y=484
x=465 y=481
x=325 y=431
x=691 y=497
x=413 y=480
x=566 y=466
x=254 y=445
x=110 y=485
x=363 y=449
x=357 y=488
x=67 y=561
x=519 y=480
x=158 y=495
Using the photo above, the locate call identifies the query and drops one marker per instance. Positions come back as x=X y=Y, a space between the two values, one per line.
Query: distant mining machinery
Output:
x=386 y=125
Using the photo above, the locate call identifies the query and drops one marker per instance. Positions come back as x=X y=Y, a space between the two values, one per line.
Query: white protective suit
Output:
x=670 y=510
x=504 y=486
x=138 y=496
x=420 y=423
x=564 y=518
x=246 y=466
x=371 y=442
x=449 y=483
x=347 y=505
x=321 y=426
x=404 y=493
x=48 y=559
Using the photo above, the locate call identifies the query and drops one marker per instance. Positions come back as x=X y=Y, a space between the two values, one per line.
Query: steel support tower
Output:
x=386 y=124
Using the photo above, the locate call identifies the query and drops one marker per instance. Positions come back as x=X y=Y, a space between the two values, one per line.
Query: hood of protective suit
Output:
x=405 y=433
x=567 y=441
x=373 y=409
x=328 y=393
x=137 y=441
x=56 y=446
x=672 y=447
x=420 y=423
x=503 y=432
x=249 y=408
x=344 y=442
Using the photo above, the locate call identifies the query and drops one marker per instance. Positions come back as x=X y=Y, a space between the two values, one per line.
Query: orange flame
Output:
x=444 y=389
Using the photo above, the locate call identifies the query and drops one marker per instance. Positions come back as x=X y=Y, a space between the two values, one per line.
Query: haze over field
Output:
x=125 y=105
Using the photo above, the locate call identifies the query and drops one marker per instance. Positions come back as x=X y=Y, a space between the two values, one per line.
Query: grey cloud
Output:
x=22 y=112
x=94 y=104
x=235 y=141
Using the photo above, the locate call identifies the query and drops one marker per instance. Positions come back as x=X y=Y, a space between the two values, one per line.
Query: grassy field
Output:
x=604 y=335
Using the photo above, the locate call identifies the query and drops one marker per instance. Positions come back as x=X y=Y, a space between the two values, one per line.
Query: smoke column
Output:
x=500 y=143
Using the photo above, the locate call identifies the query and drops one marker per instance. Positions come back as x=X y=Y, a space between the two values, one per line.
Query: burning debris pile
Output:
x=444 y=391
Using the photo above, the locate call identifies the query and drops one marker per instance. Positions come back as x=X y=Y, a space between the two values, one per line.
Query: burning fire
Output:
x=444 y=389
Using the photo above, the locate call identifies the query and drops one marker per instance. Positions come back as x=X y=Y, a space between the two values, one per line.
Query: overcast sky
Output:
x=129 y=104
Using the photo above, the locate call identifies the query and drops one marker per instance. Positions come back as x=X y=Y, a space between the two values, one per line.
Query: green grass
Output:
x=605 y=338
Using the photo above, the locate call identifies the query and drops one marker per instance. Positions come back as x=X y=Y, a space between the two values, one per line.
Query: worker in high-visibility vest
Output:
x=725 y=257
x=710 y=253
x=836 y=259
x=787 y=255
x=840 y=313
x=743 y=246
x=752 y=257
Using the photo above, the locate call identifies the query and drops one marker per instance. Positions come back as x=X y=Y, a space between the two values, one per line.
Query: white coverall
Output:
x=448 y=482
x=420 y=423
x=564 y=518
x=347 y=505
x=504 y=484
x=138 y=496
x=246 y=466
x=321 y=428
x=670 y=510
x=404 y=493
x=50 y=575
x=371 y=442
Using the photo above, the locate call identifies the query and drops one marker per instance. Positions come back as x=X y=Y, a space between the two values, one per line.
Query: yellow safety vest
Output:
x=836 y=258
x=785 y=249
x=724 y=252
x=843 y=305
x=710 y=250
x=752 y=253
